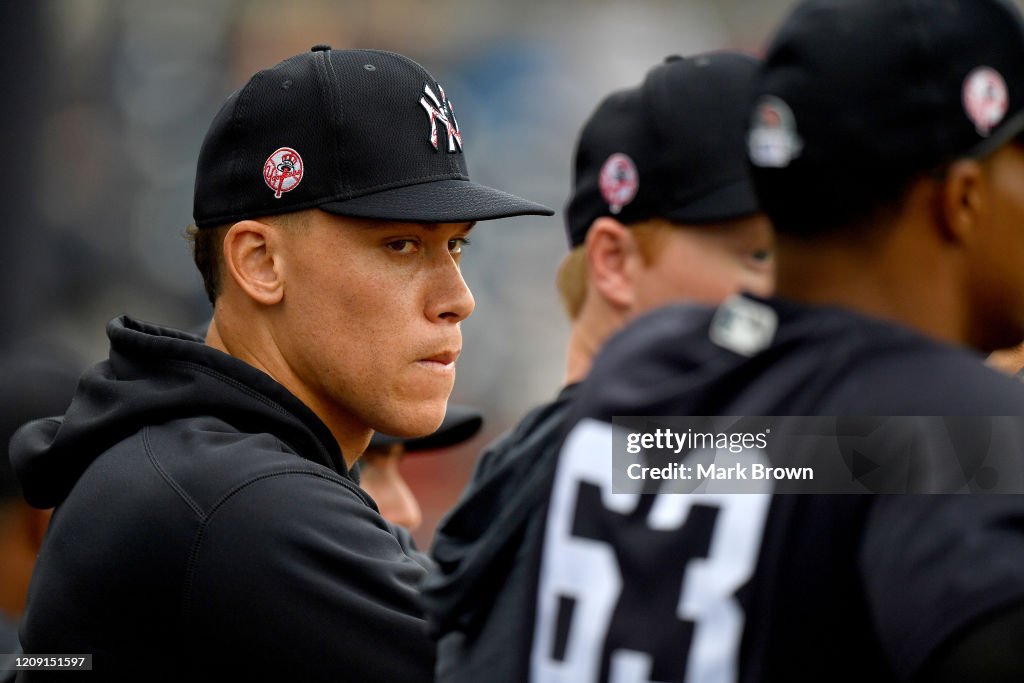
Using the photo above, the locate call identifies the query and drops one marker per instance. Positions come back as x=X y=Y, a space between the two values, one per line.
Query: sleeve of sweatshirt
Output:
x=297 y=571
x=943 y=569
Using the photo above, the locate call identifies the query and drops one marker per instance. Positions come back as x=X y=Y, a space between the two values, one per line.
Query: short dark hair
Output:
x=207 y=251
x=822 y=205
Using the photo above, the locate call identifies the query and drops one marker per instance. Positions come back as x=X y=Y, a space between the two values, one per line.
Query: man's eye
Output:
x=762 y=255
x=455 y=245
x=402 y=246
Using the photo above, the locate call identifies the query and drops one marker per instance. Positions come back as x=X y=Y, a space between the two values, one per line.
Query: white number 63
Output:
x=586 y=571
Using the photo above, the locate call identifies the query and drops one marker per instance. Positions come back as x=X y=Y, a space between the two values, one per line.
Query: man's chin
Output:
x=414 y=423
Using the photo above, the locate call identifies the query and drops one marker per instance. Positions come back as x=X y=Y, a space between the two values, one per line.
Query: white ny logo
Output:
x=441 y=109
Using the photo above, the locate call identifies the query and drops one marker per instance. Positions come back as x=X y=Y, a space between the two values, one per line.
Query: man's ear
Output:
x=963 y=201
x=253 y=261
x=612 y=255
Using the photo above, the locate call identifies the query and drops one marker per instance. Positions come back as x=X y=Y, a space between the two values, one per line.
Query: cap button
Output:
x=320 y=48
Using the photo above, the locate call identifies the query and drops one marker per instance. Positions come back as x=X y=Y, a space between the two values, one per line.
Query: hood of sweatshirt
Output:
x=155 y=375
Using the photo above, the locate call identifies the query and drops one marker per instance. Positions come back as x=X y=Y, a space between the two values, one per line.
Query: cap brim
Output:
x=440 y=201
x=1010 y=129
x=460 y=424
x=728 y=202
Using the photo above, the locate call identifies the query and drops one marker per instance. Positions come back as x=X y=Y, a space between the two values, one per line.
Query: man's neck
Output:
x=895 y=281
x=352 y=437
x=579 y=355
x=596 y=323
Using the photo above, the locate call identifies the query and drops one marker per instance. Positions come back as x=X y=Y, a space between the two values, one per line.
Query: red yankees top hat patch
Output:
x=619 y=181
x=986 y=99
x=283 y=171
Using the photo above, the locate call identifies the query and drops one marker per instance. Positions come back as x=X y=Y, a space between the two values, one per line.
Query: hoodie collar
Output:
x=154 y=375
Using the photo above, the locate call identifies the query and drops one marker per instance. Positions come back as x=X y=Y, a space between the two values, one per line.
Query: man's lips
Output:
x=445 y=359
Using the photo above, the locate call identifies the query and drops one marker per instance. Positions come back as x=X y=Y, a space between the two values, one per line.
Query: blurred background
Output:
x=108 y=101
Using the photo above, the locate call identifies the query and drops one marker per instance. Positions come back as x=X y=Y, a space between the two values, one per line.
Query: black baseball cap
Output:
x=672 y=147
x=461 y=423
x=857 y=93
x=360 y=133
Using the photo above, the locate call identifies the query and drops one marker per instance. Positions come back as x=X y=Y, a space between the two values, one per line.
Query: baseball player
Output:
x=206 y=516
x=378 y=470
x=662 y=210
x=885 y=144
x=37 y=382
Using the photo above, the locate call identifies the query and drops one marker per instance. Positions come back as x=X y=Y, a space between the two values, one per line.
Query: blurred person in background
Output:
x=378 y=467
x=885 y=138
x=662 y=211
x=37 y=383
x=206 y=515
x=1010 y=360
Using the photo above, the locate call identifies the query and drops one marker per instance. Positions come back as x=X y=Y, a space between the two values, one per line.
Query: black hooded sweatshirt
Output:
x=206 y=523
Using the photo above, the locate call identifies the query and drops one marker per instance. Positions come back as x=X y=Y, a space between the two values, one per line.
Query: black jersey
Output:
x=718 y=588
x=479 y=598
